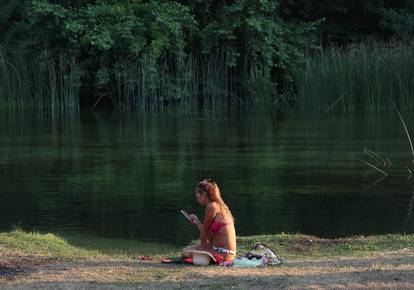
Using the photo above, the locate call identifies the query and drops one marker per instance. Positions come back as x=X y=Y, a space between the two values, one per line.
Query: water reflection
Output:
x=127 y=177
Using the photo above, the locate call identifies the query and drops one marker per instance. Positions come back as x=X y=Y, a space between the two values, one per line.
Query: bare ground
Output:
x=382 y=270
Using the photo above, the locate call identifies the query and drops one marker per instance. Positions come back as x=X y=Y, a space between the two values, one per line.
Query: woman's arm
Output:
x=210 y=213
x=196 y=221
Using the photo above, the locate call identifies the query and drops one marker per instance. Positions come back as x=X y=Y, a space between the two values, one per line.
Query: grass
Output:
x=288 y=246
x=120 y=247
x=43 y=245
x=79 y=247
x=49 y=262
x=296 y=246
x=361 y=78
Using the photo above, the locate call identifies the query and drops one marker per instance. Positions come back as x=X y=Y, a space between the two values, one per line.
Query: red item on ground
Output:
x=166 y=260
x=219 y=258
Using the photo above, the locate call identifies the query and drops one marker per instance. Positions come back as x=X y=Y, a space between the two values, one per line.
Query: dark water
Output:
x=126 y=177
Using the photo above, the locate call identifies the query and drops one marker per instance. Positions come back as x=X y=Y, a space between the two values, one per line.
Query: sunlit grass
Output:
x=297 y=246
x=79 y=246
x=287 y=246
x=42 y=244
x=50 y=261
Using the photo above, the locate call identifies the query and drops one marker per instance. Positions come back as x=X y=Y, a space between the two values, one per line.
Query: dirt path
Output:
x=385 y=270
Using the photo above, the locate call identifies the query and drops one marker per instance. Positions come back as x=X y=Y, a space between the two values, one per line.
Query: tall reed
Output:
x=361 y=78
x=187 y=81
x=145 y=84
x=38 y=83
x=50 y=84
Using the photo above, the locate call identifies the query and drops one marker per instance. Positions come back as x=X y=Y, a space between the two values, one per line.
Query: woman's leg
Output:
x=187 y=251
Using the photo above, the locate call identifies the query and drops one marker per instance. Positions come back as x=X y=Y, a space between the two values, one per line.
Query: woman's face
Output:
x=201 y=198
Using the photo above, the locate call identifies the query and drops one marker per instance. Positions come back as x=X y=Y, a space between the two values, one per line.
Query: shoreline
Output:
x=45 y=261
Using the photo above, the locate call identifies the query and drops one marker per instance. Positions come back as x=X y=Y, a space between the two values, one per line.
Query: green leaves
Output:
x=131 y=28
x=45 y=8
x=252 y=30
x=254 y=45
x=398 y=22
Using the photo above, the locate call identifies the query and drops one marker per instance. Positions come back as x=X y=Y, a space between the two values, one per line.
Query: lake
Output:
x=126 y=177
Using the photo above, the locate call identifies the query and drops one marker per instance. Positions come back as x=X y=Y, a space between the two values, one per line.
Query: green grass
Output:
x=76 y=246
x=42 y=244
x=287 y=246
x=361 y=78
x=120 y=247
x=303 y=246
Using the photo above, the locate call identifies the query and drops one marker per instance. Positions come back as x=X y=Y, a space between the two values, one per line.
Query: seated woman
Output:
x=217 y=232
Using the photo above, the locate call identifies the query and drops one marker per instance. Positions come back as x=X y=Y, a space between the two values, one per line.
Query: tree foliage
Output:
x=131 y=28
x=256 y=40
x=351 y=20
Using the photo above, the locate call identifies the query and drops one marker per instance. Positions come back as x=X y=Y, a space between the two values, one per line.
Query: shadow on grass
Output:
x=120 y=246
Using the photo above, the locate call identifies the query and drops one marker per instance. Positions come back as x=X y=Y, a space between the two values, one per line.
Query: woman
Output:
x=217 y=232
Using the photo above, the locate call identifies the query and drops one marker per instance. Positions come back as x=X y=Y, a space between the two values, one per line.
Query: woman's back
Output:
x=223 y=232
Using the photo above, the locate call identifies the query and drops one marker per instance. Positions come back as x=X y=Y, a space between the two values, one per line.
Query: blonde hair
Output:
x=210 y=187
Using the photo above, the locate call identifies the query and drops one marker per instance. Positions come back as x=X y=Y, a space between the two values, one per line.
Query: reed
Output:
x=50 y=84
x=374 y=167
x=406 y=130
x=38 y=83
x=375 y=156
x=364 y=78
x=188 y=81
x=145 y=84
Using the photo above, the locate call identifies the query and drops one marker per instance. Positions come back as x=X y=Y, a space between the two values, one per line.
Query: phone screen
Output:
x=186 y=214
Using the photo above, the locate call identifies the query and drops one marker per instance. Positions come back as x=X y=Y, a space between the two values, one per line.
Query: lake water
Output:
x=105 y=175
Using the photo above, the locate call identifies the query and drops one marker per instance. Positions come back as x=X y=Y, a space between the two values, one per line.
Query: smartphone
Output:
x=186 y=214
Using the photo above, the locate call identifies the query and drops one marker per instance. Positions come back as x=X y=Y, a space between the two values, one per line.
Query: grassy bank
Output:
x=361 y=78
x=45 y=261
x=77 y=247
x=288 y=246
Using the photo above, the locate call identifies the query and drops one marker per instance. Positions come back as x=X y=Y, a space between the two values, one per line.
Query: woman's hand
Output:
x=195 y=220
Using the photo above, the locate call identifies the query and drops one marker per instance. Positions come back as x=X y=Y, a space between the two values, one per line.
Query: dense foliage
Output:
x=354 y=20
x=145 y=53
x=115 y=43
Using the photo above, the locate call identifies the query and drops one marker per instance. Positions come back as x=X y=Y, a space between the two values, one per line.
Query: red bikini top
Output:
x=216 y=226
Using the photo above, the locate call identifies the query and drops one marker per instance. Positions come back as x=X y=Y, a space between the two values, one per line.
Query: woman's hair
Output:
x=209 y=187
